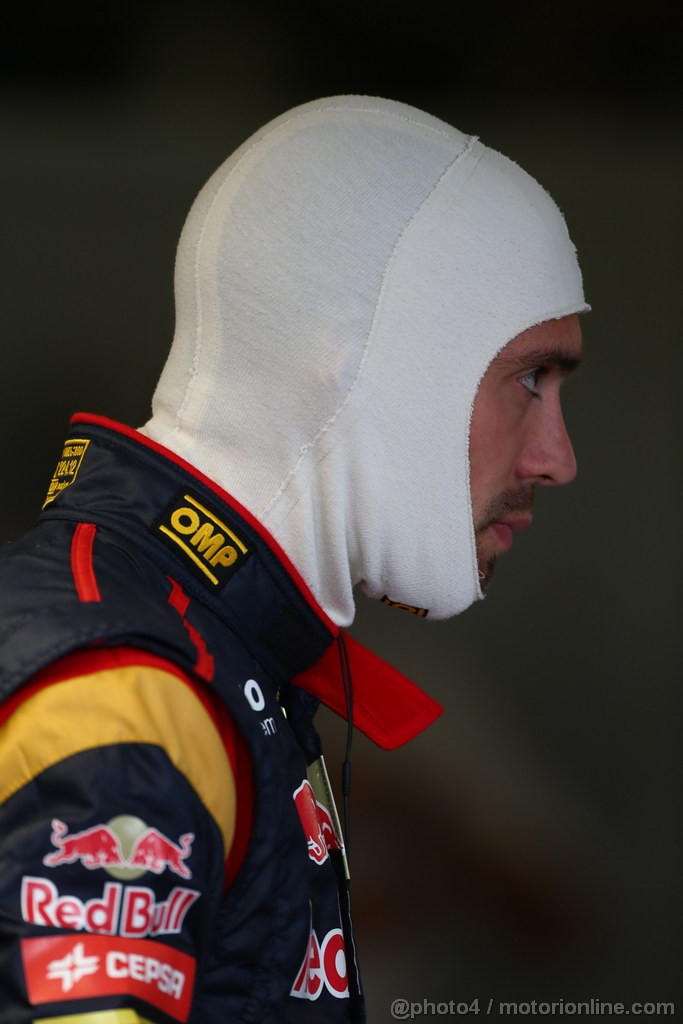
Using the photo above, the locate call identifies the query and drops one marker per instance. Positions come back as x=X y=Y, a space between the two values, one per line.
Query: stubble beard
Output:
x=499 y=508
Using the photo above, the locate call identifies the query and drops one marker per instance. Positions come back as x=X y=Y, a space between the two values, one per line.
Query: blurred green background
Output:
x=528 y=846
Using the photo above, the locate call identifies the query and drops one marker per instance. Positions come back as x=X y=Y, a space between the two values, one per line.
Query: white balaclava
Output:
x=343 y=281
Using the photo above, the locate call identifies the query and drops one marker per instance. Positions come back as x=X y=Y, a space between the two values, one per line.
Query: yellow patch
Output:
x=213 y=549
x=131 y=704
x=97 y=1017
x=413 y=609
x=67 y=467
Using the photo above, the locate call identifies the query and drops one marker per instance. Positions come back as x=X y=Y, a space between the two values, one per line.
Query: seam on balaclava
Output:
x=194 y=369
x=282 y=486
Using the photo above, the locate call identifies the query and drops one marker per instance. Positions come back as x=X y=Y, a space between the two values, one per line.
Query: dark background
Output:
x=528 y=846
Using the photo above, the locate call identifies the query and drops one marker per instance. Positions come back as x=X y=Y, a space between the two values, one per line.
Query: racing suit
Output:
x=169 y=847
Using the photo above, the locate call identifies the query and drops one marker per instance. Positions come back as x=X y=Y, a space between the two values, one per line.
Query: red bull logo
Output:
x=316 y=822
x=95 y=847
x=329 y=835
x=304 y=799
x=125 y=847
x=155 y=853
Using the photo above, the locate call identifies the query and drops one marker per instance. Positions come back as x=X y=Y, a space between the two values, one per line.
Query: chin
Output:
x=486 y=568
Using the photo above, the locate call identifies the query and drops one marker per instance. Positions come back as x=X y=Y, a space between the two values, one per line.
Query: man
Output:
x=375 y=314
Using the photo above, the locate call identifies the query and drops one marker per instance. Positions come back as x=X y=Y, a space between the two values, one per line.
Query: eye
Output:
x=530 y=380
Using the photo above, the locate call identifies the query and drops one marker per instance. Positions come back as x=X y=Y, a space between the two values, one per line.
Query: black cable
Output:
x=357 y=1001
x=346 y=766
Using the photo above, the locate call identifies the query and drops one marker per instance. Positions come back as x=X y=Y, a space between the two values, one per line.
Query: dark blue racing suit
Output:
x=169 y=847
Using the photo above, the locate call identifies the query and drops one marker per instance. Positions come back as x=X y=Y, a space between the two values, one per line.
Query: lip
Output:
x=505 y=529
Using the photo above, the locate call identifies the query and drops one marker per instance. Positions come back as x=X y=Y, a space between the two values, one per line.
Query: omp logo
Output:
x=212 y=548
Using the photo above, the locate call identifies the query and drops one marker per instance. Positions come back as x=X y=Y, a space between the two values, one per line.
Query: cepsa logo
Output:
x=59 y=968
x=212 y=548
x=316 y=822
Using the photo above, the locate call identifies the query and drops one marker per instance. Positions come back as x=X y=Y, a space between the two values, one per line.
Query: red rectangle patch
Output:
x=86 y=966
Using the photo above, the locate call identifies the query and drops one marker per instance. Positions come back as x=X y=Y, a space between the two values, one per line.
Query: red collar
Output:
x=389 y=708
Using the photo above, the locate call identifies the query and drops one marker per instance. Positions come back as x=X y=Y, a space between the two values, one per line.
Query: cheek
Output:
x=496 y=438
x=482 y=472
x=494 y=451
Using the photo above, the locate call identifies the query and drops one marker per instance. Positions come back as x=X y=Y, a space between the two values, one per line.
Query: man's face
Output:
x=518 y=437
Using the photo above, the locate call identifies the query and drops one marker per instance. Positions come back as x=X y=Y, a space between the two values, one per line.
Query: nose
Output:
x=548 y=455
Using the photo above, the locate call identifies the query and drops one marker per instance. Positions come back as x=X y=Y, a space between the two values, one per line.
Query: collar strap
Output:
x=389 y=708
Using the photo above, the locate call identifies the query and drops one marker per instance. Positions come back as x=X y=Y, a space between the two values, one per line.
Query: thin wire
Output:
x=346 y=766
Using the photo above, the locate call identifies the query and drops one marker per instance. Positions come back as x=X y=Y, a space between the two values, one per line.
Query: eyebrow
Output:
x=547 y=356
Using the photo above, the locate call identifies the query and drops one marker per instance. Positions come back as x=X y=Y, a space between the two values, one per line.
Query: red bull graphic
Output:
x=329 y=835
x=324 y=967
x=304 y=799
x=95 y=847
x=316 y=822
x=59 y=968
x=155 y=852
x=129 y=910
x=120 y=851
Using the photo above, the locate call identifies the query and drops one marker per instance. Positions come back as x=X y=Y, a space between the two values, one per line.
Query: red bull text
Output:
x=128 y=910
